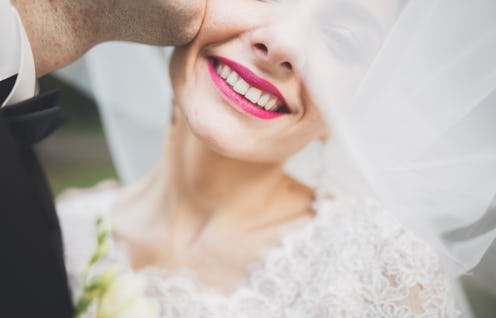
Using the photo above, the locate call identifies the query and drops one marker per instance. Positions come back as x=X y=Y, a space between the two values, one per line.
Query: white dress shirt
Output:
x=16 y=56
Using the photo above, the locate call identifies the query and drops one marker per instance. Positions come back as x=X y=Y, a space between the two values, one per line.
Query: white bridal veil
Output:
x=421 y=128
x=419 y=135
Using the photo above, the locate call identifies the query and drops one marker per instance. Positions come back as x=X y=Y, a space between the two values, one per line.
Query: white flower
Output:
x=141 y=308
x=125 y=298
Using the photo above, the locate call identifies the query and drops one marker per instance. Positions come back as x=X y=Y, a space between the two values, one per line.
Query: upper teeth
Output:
x=258 y=97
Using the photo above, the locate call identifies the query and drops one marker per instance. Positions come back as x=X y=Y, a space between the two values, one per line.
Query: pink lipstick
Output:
x=268 y=104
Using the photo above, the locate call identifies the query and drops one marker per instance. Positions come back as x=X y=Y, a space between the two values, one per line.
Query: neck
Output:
x=196 y=193
x=195 y=181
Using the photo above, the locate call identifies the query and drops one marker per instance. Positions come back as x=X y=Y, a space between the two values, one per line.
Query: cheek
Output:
x=226 y=19
x=312 y=128
x=331 y=82
x=219 y=21
x=223 y=22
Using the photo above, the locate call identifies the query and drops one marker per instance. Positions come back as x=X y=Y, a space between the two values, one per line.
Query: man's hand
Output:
x=60 y=31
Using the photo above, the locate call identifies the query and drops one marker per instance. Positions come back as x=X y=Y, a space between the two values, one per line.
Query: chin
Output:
x=225 y=135
x=221 y=137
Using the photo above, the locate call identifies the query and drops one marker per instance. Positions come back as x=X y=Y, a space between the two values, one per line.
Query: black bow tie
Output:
x=34 y=119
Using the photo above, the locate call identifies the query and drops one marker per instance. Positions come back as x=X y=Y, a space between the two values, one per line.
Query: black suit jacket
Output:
x=33 y=280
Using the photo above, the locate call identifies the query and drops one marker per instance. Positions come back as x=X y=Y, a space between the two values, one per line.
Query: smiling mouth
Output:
x=264 y=98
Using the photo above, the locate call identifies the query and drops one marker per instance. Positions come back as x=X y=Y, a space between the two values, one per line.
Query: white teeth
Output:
x=263 y=100
x=241 y=86
x=232 y=78
x=226 y=70
x=271 y=104
x=253 y=95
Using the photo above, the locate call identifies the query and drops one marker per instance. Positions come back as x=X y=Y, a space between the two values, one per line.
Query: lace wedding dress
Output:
x=352 y=260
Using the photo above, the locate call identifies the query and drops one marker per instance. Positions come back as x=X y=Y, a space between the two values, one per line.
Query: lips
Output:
x=250 y=92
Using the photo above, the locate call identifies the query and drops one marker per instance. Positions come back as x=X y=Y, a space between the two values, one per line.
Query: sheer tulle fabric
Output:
x=421 y=128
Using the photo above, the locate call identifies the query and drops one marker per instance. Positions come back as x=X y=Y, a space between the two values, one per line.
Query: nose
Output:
x=275 y=47
x=270 y=51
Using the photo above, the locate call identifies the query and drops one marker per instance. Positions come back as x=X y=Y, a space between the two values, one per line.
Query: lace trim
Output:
x=350 y=260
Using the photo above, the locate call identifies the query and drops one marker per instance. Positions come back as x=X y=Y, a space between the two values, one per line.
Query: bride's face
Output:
x=240 y=83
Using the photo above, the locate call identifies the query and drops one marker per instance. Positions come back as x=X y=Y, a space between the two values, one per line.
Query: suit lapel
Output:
x=6 y=87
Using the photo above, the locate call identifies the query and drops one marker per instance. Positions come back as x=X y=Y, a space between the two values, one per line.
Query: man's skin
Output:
x=60 y=31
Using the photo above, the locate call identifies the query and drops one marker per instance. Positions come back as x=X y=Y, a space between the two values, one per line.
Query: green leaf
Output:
x=82 y=305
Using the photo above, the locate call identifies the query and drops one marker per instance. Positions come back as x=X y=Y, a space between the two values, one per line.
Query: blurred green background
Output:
x=77 y=156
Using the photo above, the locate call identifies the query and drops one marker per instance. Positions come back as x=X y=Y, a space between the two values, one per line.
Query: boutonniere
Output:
x=112 y=293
